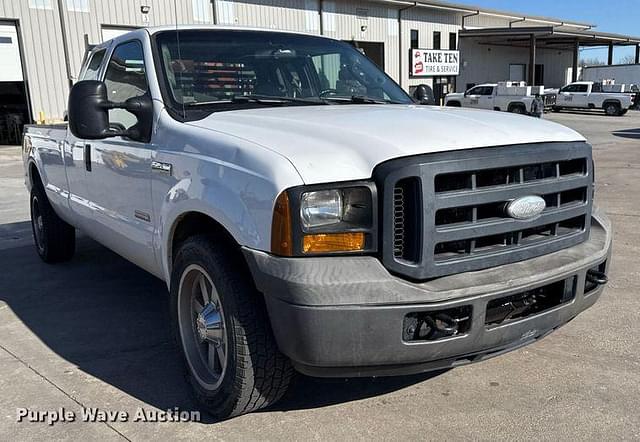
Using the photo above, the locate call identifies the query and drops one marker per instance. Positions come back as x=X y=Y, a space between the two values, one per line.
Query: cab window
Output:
x=125 y=78
x=91 y=72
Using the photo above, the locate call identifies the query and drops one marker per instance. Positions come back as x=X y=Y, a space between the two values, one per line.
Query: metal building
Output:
x=42 y=42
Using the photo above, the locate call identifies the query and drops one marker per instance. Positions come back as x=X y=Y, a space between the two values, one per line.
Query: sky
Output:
x=617 y=16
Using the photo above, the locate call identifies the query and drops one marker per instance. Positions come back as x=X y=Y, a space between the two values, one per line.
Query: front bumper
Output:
x=343 y=316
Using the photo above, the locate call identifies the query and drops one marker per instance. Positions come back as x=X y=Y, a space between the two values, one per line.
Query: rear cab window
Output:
x=92 y=70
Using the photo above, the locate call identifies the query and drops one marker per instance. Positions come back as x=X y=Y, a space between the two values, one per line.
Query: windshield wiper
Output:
x=361 y=99
x=260 y=99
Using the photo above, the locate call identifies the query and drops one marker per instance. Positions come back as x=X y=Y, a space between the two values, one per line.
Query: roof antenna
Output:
x=175 y=9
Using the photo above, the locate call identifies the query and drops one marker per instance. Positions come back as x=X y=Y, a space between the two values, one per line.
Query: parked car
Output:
x=307 y=215
x=494 y=96
x=590 y=95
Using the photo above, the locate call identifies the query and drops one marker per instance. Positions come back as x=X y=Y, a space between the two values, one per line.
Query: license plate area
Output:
x=532 y=302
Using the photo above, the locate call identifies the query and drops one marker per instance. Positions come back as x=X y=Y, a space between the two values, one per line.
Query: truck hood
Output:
x=345 y=142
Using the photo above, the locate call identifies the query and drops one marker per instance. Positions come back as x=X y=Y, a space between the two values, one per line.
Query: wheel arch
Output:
x=611 y=101
x=191 y=223
x=33 y=174
x=514 y=104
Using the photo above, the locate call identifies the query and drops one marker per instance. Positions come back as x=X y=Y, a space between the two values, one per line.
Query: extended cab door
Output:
x=119 y=178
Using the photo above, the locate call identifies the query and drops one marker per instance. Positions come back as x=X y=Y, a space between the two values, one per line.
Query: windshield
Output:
x=212 y=70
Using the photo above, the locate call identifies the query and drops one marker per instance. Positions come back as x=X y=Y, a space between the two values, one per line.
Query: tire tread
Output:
x=262 y=373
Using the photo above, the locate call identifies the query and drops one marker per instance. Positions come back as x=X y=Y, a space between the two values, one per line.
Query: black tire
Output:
x=555 y=109
x=612 y=109
x=517 y=109
x=453 y=104
x=55 y=240
x=254 y=373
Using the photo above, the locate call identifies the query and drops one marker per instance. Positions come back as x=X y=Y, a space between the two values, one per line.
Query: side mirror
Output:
x=89 y=113
x=88 y=110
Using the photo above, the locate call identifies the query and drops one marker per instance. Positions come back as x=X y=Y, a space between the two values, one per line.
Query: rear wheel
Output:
x=517 y=109
x=612 y=109
x=221 y=324
x=55 y=240
x=453 y=104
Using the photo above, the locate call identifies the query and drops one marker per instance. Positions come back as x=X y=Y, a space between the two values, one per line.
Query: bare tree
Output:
x=591 y=62
x=627 y=59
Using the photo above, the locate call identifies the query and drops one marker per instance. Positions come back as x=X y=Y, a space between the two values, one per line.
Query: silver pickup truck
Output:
x=307 y=215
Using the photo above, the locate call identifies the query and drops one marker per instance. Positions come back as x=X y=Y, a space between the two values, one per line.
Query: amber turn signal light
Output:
x=281 y=237
x=333 y=242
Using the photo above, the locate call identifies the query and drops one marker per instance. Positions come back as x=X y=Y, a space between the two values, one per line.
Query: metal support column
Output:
x=532 y=60
x=401 y=51
x=610 y=55
x=574 y=69
x=638 y=54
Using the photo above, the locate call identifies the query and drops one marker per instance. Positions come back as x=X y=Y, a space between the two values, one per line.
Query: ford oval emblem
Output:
x=526 y=207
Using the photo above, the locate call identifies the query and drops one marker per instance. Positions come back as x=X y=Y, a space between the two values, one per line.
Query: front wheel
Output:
x=221 y=324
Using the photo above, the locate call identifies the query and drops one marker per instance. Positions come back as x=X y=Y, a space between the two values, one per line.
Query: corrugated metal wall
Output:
x=426 y=22
x=481 y=63
x=359 y=20
x=43 y=55
x=290 y=15
x=346 y=20
x=40 y=30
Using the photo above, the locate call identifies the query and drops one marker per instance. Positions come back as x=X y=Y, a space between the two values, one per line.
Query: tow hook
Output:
x=440 y=326
x=597 y=277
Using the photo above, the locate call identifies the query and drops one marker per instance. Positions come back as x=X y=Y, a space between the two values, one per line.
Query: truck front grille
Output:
x=463 y=224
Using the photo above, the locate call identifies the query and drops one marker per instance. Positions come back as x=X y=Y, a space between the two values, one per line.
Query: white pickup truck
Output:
x=487 y=96
x=306 y=214
x=590 y=95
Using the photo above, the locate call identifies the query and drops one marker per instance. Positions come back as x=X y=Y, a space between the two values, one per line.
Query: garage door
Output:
x=10 y=64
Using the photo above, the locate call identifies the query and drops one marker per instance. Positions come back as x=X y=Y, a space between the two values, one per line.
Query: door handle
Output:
x=87 y=157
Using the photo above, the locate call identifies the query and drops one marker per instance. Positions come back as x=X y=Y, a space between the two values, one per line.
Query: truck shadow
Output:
x=627 y=133
x=109 y=318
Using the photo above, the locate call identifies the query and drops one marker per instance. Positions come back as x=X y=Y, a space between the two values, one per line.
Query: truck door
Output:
x=568 y=96
x=472 y=97
x=75 y=156
x=581 y=95
x=487 y=98
x=119 y=178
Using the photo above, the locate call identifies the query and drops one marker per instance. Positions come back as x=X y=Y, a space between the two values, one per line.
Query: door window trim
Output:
x=92 y=55
x=105 y=66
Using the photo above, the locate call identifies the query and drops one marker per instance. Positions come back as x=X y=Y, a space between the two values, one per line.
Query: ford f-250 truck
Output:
x=307 y=215
x=590 y=95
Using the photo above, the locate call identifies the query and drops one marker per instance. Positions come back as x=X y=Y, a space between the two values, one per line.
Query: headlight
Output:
x=321 y=208
x=329 y=219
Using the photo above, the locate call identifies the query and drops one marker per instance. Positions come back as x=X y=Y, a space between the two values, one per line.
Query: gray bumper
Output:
x=343 y=316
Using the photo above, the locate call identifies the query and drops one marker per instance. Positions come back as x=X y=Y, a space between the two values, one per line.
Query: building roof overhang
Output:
x=547 y=35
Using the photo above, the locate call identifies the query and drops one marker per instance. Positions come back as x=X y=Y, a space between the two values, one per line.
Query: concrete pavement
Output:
x=93 y=333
